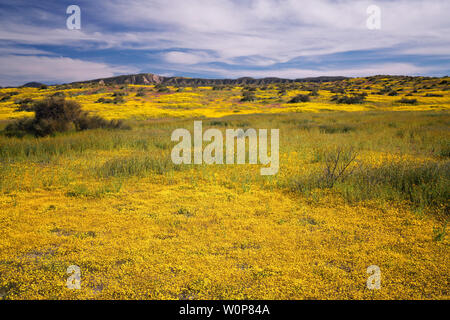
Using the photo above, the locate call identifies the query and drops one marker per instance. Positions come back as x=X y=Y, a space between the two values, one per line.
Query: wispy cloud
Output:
x=15 y=69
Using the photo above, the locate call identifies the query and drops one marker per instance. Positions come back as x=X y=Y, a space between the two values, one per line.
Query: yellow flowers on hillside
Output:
x=208 y=103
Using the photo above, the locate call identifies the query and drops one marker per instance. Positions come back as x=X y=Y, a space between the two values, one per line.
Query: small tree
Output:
x=161 y=88
x=300 y=98
x=352 y=99
x=407 y=101
x=55 y=114
x=248 y=96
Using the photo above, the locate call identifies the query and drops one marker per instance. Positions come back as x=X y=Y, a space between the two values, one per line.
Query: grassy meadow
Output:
x=140 y=227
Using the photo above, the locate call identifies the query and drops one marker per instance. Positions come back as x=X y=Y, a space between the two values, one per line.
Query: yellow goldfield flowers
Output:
x=140 y=227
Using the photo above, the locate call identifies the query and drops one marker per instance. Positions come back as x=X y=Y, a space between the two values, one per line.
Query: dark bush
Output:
x=54 y=115
x=140 y=92
x=353 y=99
x=337 y=90
x=281 y=92
x=385 y=90
x=248 y=96
x=59 y=94
x=25 y=104
x=58 y=109
x=299 y=98
x=5 y=98
x=96 y=122
x=8 y=96
x=408 y=101
x=116 y=100
x=393 y=93
x=161 y=88
x=19 y=128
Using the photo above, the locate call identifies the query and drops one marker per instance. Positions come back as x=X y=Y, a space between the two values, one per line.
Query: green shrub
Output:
x=6 y=97
x=385 y=90
x=58 y=109
x=116 y=100
x=96 y=122
x=433 y=95
x=299 y=98
x=56 y=114
x=25 y=104
x=407 y=101
x=140 y=92
x=19 y=128
x=161 y=88
x=59 y=94
x=353 y=99
x=248 y=96
x=337 y=90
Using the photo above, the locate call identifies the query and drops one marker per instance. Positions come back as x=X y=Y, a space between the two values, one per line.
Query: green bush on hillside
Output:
x=55 y=114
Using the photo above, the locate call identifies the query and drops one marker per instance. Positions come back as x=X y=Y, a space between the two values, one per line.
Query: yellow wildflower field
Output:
x=140 y=227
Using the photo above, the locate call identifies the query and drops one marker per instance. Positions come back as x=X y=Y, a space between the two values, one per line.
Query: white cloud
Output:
x=22 y=51
x=187 y=58
x=282 y=30
x=15 y=70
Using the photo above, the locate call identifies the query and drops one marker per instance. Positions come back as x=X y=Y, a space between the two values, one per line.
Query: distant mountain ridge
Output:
x=150 y=78
x=33 y=85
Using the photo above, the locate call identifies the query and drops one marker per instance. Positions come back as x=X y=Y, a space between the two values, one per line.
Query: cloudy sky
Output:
x=221 y=39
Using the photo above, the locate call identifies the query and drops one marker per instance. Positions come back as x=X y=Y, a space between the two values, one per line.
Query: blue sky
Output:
x=221 y=39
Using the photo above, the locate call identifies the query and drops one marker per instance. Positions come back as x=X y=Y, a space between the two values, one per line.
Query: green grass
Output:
x=137 y=166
